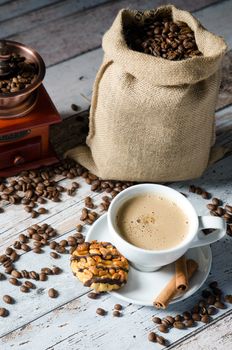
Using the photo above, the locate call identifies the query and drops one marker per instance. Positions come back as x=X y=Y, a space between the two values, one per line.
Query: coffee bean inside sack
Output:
x=161 y=37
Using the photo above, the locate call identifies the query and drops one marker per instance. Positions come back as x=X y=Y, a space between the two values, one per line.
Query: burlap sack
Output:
x=152 y=119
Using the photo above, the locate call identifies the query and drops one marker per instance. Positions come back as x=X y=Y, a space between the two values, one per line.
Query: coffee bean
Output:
x=179 y=325
x=42 y=276
x=211 y=207
x=170 y=319
x=219 y=305
x=211 y=300
x=228 y=208
x=54 y=255
x=187 y=315
x=22 y=238
x=79 y=228
x=29 y=284
x=118 y=307
x=16 y=274
x=9 y=269
x=162 y=328
x=93 y=295
x=36 y=237
x=205 y=319
x=37 y=250
x=24 y=289
x=9 y=251
x=189 y=323
x=101 y=311
x=53 y=245
x=220 y=211
x=34 y=275
x=216 y=201
x=47 y=270
x=198 y=190
x=2 y=276
x=42 y=210
x=56 y=270
x=52 y=293
x=192 y=188
x=205 y=195
x=3 y=312
x=211 y=310
x=178 y=318
x=156 y=320
x=160 y=340
x=117 y=313
x=206 y=293
x=216 y=291
x=152 y=337
x=25 y=247
x=8 y=299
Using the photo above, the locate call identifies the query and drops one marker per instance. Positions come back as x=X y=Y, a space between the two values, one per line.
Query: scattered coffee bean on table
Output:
x=93 y=295
x=152 y=337
x=156 y=320
x=117 y=313
x=3 y=312
x=56 y=270
x=24 y=289
x=8 y=299
x=162 y=328
x=52 y=293
x=160 y=340
x=118 y=307
x=101 y=311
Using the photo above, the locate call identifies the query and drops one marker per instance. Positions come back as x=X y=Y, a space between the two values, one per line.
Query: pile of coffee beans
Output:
x=212 y=300
x=161 y=37
x=23 y=73
x=215 y=208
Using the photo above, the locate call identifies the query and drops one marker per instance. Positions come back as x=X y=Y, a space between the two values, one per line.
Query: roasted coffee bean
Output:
x=34 y=275
x=117 y=313
x=22 y=238
x=14 y=256
x=118 y=307
x=8 y=299
x=156 y=320
x=205 y=319
x=219 y=305
x=42 y=276
x=202 y=303
x=189 y=323
x=216 y=291
x=93 y=295
x=9 y=251
x=79 y=228
x=178 y=318
x=160 y=340
x=2 y=276
x=17 y=245
x=14 y=281
x=16 y=274
x=101 y=311
x=56 y=270
x=192 y=188
x=196 y=317
x=211 y=207
x=162 y=328
x=34 y=214
x=53 y=245
x=25 y=247
x=170 y=319
x=205 y=195
x=36 y=237
x=220 y=211
x=37 y=250
x=216 y=201
x=9 y=269
x=211 y=300
x=211 y=310
x=29 y=284
x=165 y=322
x=52 y=293
x=227 y=217
x=187 y=315
x=198 y=190
x=54 y=255
x=24 y=289
x=179 y=325
x=3 y=312
x=228 y=208
x=152 y=337
x=3 y=258
x=42 y=210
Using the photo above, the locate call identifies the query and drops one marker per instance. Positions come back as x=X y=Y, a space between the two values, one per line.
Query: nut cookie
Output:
x=100 y=266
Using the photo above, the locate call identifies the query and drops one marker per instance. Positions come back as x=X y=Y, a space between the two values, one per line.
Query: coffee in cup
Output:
x=152 y=222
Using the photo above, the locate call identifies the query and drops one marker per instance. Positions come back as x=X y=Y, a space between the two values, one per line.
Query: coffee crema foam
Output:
x=152 y=222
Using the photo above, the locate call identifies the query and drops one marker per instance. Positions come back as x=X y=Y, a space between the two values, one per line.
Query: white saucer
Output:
x=143 y=287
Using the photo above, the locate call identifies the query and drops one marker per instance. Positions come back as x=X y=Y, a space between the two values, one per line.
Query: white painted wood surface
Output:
x=69 y=322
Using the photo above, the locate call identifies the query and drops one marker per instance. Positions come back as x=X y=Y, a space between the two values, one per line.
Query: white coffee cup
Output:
x=151 y=260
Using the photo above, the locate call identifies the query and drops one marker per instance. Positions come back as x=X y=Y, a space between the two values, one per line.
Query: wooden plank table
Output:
x=67 y=34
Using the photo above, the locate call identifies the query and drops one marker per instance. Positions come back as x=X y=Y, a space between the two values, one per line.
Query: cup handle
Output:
x=207 y=222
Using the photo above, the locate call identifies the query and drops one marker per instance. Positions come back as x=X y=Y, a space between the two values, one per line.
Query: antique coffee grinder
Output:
x=26 y=110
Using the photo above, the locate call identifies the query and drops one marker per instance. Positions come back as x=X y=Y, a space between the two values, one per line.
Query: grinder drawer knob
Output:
x=19 y=160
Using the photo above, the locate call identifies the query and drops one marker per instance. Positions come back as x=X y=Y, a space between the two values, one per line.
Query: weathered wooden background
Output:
x=68 y=35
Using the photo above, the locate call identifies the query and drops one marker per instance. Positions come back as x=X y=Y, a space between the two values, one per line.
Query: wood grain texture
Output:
x=15 y=8
x=42 y=16
x=70 y=36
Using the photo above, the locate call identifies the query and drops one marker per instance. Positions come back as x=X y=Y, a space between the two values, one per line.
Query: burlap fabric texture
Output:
x=152 y=119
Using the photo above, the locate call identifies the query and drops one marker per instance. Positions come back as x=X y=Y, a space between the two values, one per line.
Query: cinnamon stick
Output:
x=181 y=274
x=169 y=292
